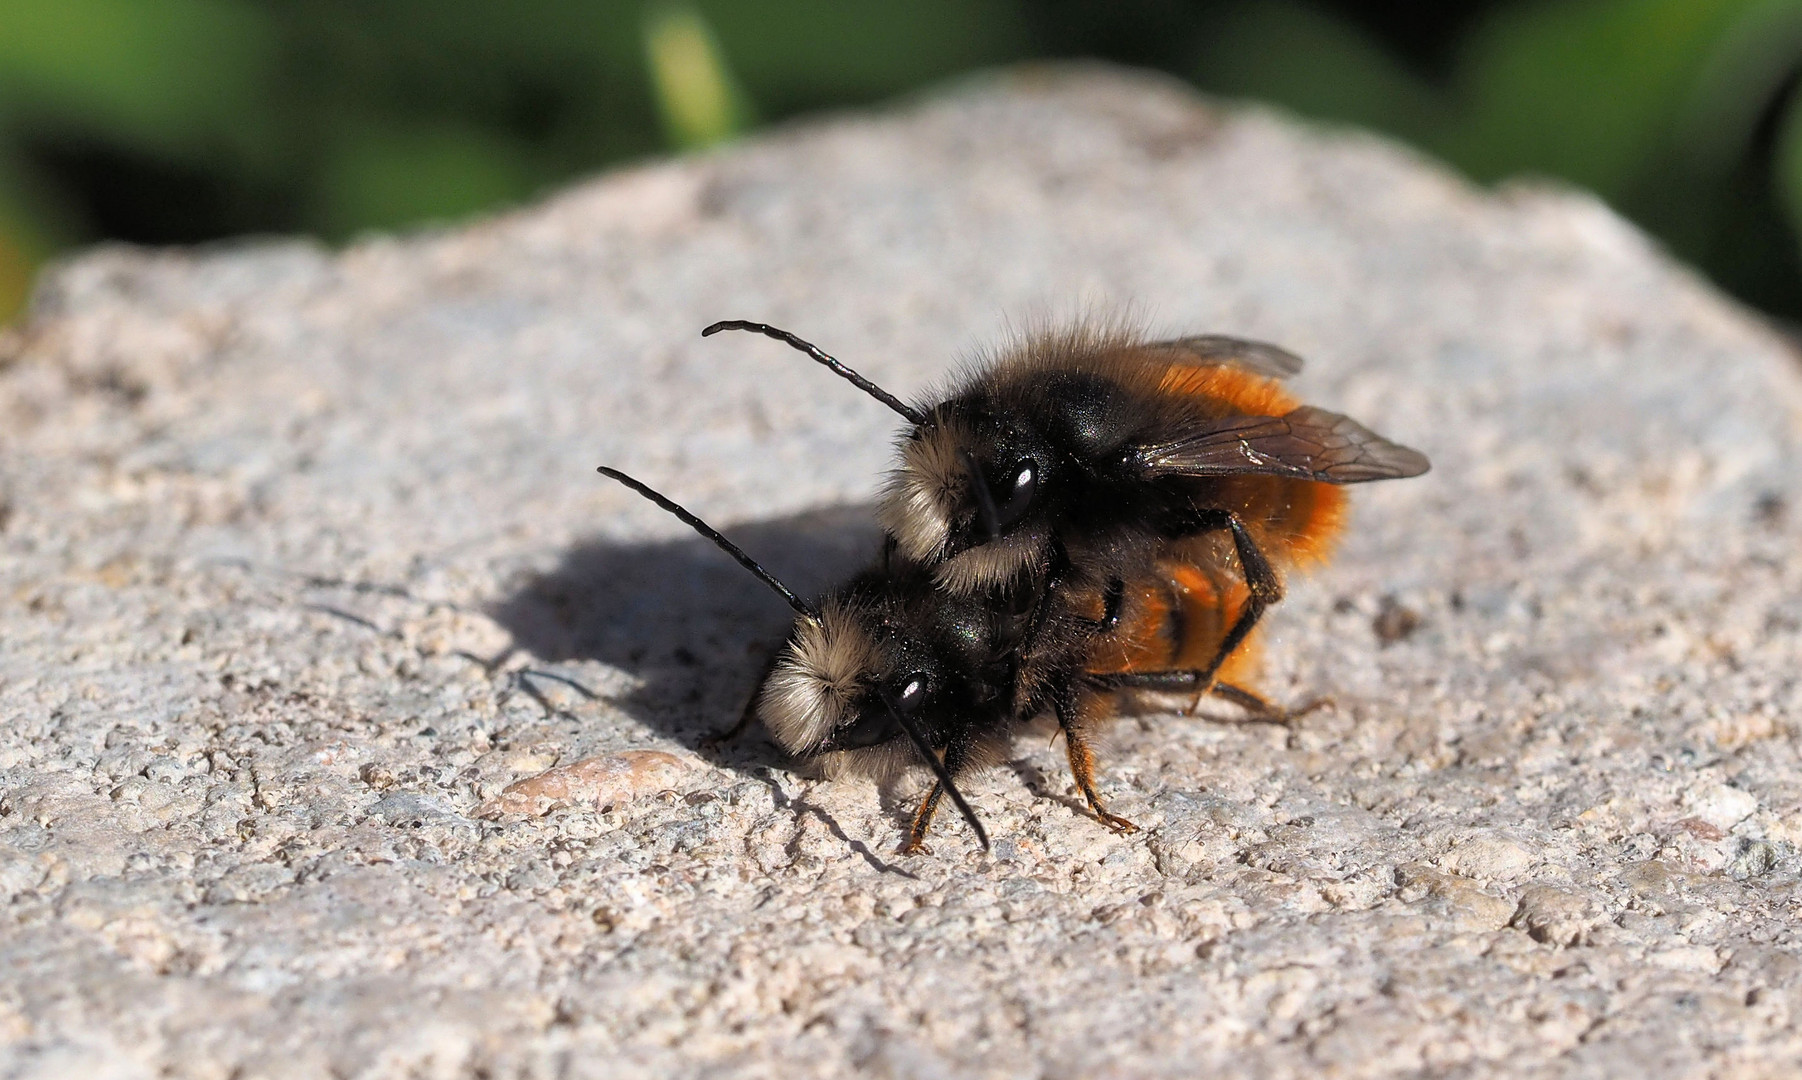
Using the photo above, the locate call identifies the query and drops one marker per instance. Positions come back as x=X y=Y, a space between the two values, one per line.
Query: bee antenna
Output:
x=719 y=541
x=938 y=770
x=913 y=415
x=985 y=499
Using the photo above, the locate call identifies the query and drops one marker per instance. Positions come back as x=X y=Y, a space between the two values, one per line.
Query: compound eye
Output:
x=911 y=692
x=1021 y=489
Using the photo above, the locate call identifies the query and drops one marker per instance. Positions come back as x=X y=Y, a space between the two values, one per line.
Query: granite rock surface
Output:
x=351 y=726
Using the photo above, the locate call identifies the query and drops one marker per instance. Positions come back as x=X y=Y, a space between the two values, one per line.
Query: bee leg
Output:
x=1257 y=709
x=915 y=844
x=1252 y=703
x=1082 y=766
x=1262 y=711
x=1112 y=601
x=746 y=715
x=720 y=738
x=1197 y=684
x=1261 y=582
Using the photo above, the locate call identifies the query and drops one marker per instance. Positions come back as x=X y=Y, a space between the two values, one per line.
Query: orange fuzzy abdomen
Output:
x=1174 y=620
x=1228 y=388
x=1177 y=617
x=1293 y=521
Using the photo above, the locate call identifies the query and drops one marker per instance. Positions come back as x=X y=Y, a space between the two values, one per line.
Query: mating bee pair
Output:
x=1088 y=516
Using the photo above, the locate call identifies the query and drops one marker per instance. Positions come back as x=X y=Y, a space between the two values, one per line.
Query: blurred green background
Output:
x=173 y=121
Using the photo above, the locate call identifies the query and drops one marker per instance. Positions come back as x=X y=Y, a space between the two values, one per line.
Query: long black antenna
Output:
x=938 y=770
x=913 y=415
x=723 y=544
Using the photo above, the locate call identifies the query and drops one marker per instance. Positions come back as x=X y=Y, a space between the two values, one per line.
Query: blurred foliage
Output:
x=697 y=94
x=182 y=120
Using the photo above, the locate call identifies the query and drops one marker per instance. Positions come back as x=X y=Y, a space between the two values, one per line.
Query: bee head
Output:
x=883 y=642
x=970 y=498
x=977 y=472
x=886 y=651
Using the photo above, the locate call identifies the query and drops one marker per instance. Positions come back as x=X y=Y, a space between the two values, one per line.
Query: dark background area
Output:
x=178 y=121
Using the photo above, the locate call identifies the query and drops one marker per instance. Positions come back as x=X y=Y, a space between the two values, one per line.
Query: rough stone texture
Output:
x=304 y=561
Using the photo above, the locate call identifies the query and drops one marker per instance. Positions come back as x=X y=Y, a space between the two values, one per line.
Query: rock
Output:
x=303 y=556
x=1555 y=916
x=1720 y=807
x=1457 y=899
x=597 y=781
x=1490 y=857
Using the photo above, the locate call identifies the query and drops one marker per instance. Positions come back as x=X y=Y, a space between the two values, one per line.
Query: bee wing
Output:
x=1257 y=357
x=1309 y=443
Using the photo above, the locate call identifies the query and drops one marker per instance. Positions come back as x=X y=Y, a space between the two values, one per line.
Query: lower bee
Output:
x=885 y=671
x=890 y=670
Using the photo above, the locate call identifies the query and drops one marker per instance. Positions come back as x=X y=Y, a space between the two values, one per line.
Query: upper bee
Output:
x=1071 y=439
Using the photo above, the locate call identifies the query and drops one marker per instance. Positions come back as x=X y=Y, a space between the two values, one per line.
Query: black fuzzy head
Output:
x=993 y=475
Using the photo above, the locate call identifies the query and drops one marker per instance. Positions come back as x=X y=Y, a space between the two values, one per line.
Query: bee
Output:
x=884 y=671
x=1092 y=455
x=891 y=669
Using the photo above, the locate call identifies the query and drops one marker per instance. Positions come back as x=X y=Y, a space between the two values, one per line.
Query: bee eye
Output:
x=1020 y=491
x=911 y=692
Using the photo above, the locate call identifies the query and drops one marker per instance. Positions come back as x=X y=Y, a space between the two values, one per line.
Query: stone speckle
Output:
x=304 y=563
x=597 y=781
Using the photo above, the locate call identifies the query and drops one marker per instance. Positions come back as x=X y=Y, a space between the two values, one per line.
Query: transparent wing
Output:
x=1257 y=357
x=1309 y=443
